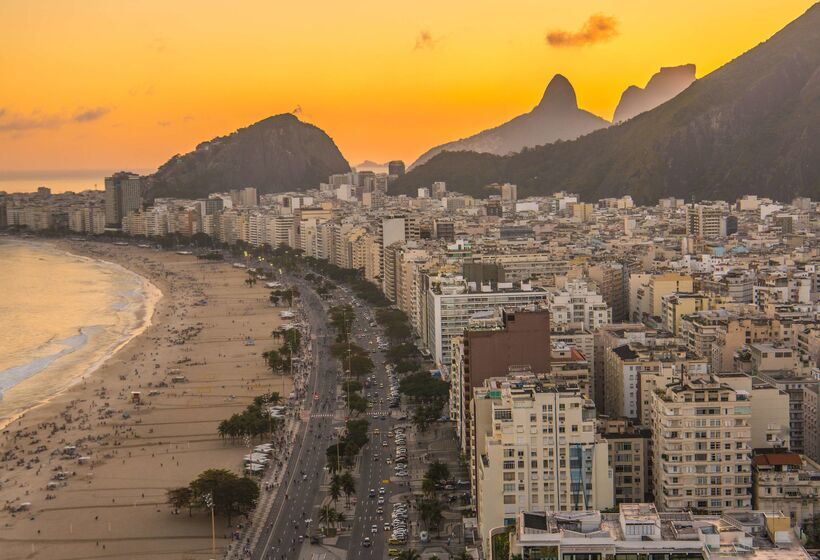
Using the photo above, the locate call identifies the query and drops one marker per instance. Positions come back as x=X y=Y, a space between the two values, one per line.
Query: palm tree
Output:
x=348 y=486
x=327 y=516
x=335 y=488
x=273 y=359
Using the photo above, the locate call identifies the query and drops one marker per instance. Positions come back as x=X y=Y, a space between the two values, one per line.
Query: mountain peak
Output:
x=276 y=154
x=559 y=94
x=661 y=87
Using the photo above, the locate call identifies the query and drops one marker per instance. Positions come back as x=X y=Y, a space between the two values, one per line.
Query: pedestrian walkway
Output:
x=272 y=479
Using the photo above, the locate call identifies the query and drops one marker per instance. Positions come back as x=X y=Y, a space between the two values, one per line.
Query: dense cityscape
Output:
x=595 y=378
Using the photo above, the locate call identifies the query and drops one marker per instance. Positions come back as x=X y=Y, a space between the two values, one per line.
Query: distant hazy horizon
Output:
x=58 y=180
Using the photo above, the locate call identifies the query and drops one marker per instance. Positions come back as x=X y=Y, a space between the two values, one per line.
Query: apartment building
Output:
x=628 y=458
x=490 y=348
x=577 y=303
x=514 y=267
x=536 y=443
x=738 y=331
x=646 y=292
x=708 y=222
x=787 y=483
x=700 y=330
x=701 y=440
x=604 y=339
x=675 y=306
x=794 y=386
x=627 y=367
x=612 y=282
x=808 y=343
x=87 y=219
x=770 y=423
x=451 y=301
x=123 y=195
x=811 y=421
x=735 y=284
x=570 y=368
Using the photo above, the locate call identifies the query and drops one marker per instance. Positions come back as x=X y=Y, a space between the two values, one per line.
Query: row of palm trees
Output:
x=253 y=421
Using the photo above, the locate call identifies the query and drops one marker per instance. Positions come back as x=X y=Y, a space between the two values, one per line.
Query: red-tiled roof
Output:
x=778 y=459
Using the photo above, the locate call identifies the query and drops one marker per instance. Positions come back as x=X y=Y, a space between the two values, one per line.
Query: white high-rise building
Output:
x=576 y=303
x=535 y=448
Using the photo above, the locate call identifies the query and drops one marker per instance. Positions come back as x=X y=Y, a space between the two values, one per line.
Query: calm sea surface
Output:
x=58 y=181
x=60 y=317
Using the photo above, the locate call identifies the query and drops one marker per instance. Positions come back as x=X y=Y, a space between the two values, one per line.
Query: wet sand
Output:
x=112 y=505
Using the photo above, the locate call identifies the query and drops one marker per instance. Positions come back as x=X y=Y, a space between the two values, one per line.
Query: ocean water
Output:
x=61 y=316
x=58 y=181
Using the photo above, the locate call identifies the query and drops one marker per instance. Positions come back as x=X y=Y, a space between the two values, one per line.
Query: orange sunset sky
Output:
x=126 y=84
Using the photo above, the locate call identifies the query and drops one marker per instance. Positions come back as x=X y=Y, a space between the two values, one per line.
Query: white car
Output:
x=374 y=529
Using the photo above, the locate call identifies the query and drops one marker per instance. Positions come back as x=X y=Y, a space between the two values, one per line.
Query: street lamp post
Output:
x=209 y=503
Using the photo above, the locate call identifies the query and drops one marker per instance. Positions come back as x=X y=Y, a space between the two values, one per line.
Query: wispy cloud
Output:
x=425 y=40
x=164 y=123
x=15 y=122
x=597 y=29
x=88 y=115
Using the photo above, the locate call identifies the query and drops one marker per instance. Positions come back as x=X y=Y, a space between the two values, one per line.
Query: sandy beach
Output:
x=112 y=504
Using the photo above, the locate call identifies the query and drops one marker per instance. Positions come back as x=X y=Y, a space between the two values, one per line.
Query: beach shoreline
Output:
x=210 y=328
x=151 y=294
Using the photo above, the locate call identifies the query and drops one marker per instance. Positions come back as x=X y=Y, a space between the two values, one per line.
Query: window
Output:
x=510 y=500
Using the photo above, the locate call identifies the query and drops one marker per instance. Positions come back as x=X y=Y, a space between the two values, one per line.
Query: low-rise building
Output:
x=788 y=483
x=639 y=531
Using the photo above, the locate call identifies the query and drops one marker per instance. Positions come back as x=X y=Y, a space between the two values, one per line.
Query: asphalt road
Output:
x=373 y=470
x=280 y=537
x=299 y=498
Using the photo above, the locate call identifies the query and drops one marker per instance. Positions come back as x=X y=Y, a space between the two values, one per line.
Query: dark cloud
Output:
x=88 y=115
x=597 y=29
x=14 y=122
x=425 y=40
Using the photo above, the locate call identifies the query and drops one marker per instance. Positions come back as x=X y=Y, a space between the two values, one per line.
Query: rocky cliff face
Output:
x=661 y=87
x=556 y=117
x=277 y=154
x=748 y=127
